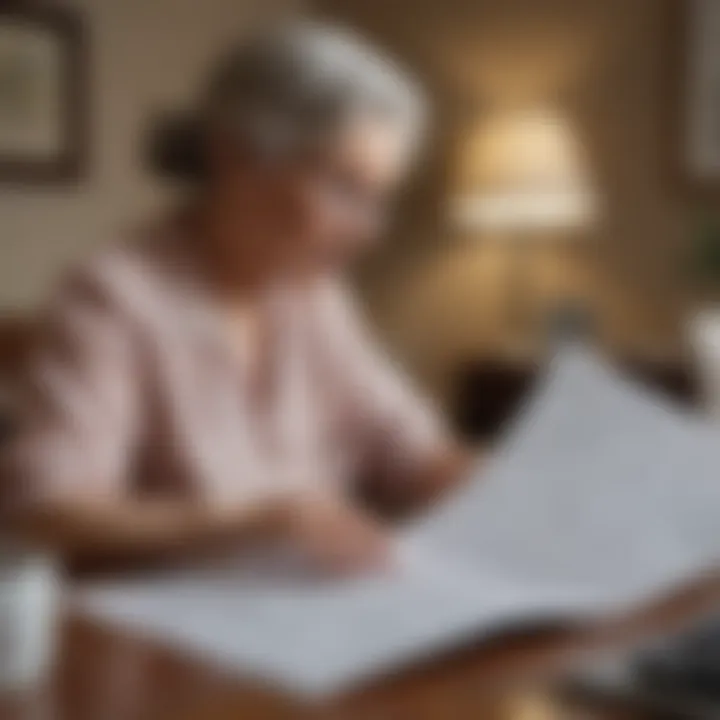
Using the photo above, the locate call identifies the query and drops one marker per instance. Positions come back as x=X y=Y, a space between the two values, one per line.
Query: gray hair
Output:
x=295 y=85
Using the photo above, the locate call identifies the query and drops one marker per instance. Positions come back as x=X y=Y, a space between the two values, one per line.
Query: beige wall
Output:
x=602 y=62
x=147 y=55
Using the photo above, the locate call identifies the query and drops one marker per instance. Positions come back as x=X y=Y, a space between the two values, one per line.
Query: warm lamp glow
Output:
x=524 y=172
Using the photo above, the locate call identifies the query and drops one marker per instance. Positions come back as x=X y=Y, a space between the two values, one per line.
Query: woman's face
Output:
x=321 y=209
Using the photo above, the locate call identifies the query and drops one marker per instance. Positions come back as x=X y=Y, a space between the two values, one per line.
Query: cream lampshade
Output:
x=522 y=172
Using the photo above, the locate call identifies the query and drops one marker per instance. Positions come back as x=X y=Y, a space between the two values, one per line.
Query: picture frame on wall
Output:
x=43 y=94
x=695 y=27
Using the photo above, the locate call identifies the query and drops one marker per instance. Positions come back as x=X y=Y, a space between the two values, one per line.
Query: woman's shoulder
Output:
x=131 y=275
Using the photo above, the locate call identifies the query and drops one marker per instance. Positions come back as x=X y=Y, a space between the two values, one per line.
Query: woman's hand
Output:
x=335 y=535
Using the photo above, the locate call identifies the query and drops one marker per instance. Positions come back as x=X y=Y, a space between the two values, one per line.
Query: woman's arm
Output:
x=328 y=532
x=143 y=528
x=411 y=458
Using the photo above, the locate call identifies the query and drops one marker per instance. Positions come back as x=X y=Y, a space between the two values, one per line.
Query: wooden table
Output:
x=105 y=674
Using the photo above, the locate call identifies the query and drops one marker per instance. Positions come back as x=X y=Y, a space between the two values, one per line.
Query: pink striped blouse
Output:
x=138 y=388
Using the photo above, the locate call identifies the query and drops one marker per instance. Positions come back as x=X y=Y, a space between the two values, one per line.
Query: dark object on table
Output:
x=677 y=679
x=689 y=665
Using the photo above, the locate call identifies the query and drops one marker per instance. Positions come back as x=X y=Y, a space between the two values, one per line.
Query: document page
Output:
x=601 y=496
x=601 y=484
x=314 y=636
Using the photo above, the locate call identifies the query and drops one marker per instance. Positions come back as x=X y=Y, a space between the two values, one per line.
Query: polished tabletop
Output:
x=105 y=673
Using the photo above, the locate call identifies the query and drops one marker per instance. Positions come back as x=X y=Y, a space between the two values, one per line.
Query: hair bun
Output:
x=174 y=148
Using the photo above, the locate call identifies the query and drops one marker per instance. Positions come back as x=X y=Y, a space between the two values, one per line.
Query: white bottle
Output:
x=704 y=337
x=29 y=600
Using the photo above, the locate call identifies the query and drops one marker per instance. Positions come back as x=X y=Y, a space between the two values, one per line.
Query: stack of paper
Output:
x=600 y=497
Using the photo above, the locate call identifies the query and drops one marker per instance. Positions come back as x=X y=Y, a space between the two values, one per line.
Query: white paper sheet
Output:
x=600 y=484
x=601 y=496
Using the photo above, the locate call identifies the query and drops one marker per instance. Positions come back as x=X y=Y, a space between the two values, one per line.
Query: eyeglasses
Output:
x=348 y=195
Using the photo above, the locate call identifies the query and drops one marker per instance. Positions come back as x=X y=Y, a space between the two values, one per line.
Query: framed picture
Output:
x=43 y=128
x=695 y=26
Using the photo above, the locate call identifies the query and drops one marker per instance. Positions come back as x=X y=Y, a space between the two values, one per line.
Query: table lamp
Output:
x=522 y=181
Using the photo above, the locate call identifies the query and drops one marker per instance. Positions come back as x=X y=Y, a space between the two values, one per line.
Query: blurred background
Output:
x=571 y=166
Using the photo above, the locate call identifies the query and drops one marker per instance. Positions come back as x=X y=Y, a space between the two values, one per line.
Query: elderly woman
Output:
x=207 y=384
